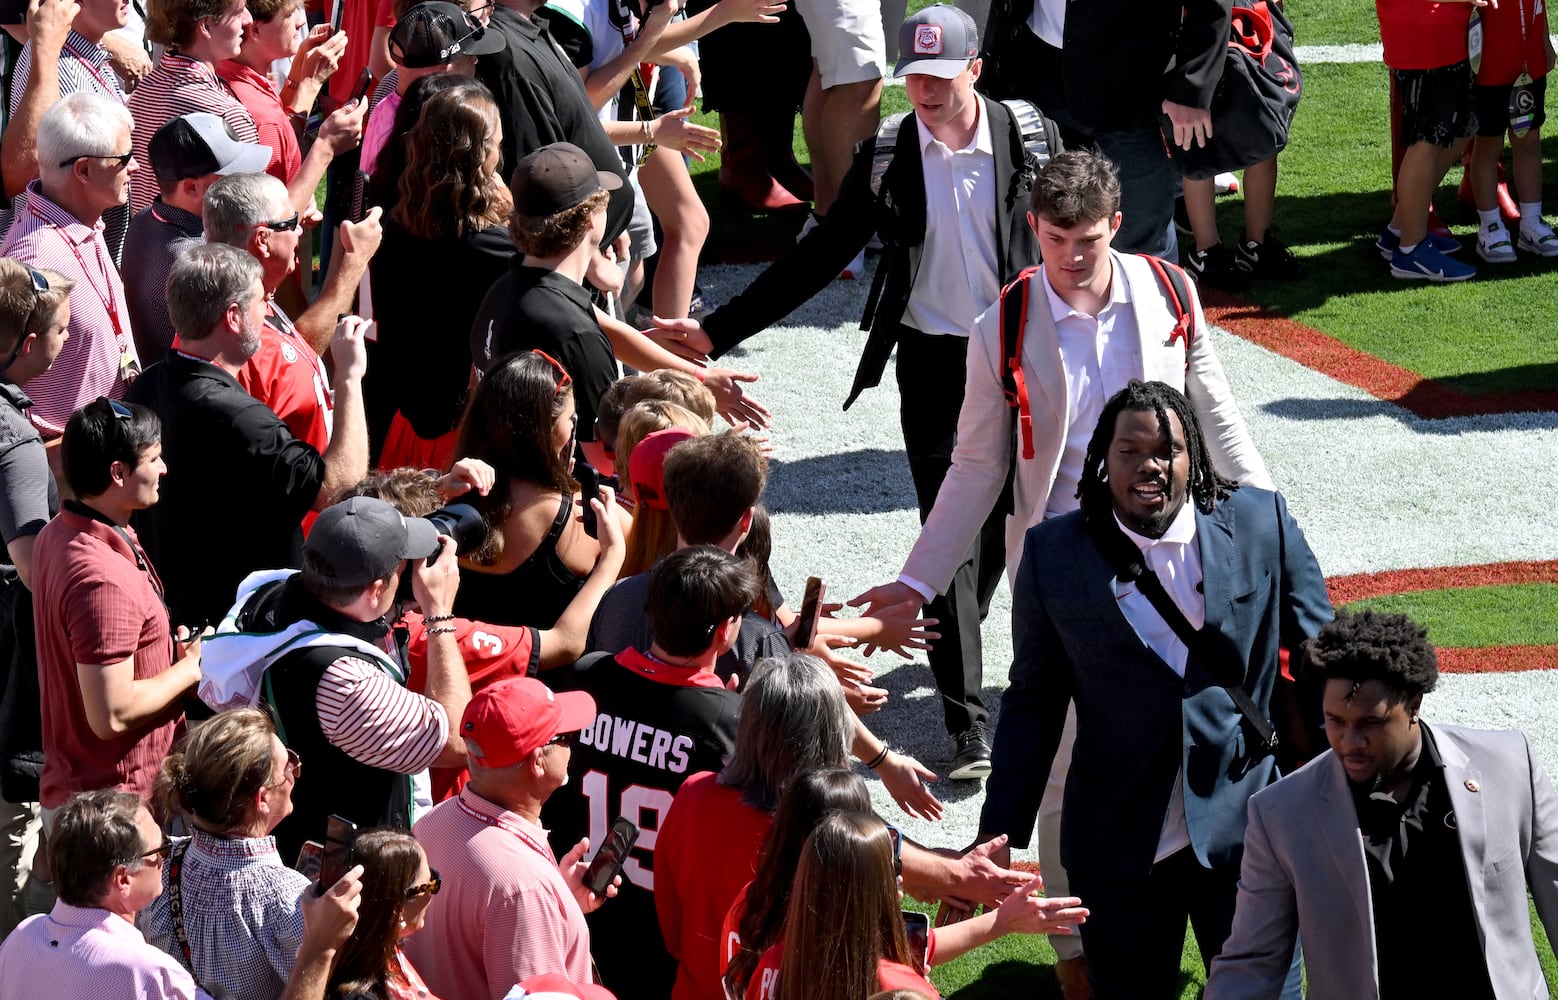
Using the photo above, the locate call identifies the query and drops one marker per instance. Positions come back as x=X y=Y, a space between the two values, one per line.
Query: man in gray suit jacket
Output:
x=1398 y=825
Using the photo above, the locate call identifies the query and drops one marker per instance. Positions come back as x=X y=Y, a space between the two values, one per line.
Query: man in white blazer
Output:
x=1096 y=319
x=1398 y=828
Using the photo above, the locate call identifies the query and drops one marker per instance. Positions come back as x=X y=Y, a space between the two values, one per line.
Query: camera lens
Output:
x=461 y=522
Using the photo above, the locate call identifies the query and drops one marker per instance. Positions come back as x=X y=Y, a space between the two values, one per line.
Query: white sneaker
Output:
x=1494 y=245
x=1538 y=237
x=856 y=268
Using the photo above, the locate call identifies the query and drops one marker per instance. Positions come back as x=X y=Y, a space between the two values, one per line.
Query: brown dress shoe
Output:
x=1071 y=973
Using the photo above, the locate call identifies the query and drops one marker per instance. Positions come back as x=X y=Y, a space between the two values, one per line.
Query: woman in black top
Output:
x=445 y=243
x=521 y=421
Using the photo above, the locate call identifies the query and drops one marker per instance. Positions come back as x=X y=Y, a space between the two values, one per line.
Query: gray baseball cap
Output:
x=360 y=540
x=938 y=40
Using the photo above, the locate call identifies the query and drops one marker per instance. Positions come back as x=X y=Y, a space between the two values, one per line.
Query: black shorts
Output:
x=1492 y=106
x=1436 y=104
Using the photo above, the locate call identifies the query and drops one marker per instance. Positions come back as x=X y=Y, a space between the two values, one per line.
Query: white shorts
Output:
x=846 y=39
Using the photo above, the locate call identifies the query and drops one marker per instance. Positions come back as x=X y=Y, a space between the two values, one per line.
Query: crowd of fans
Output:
x=368 y=632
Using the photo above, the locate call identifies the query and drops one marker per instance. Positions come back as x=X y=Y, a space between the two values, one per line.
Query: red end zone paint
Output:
x=1309 y=347
x=1468 y=660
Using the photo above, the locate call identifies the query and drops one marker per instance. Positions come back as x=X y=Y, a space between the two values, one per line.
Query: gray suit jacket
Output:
x=1304 y=873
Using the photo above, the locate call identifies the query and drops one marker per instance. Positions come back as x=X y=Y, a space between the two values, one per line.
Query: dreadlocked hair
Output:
x=1368 y=645
x=1207 y=486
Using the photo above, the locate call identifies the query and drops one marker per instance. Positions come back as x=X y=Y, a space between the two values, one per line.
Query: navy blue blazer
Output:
x=1138 y=722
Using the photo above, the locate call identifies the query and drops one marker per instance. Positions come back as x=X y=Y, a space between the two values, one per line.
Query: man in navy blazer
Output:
x=1399 y=827
x=1153 y=818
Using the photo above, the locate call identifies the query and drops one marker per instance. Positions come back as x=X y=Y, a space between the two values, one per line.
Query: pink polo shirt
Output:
x=88 y=953
x=504 y=913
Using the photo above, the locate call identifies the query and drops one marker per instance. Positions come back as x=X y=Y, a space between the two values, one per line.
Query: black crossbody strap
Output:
x=176 y=904
x=1131 y=567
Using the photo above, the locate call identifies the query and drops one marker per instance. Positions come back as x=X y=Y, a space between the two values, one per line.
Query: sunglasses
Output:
x=293 y=769
x=40 y=284
x=564 y=380
x=562 y=739
x=894 y=835
x=428 y=888
x=122 y=159
x=284 y=225
x=157 y=854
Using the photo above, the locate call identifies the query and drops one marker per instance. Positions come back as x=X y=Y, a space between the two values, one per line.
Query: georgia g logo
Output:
x=927 y=40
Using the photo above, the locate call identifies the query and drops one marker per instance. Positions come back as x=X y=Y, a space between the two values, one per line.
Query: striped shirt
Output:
x=370 y=717
x=242 y=915
x=179 y=85
x=99 y=359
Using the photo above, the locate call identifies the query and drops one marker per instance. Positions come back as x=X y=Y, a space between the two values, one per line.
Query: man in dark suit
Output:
x=949 y=200
x=1399 y=824
x=1106 y=73
x=1153 y=818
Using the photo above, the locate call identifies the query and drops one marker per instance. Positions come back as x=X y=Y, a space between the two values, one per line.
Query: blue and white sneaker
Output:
x=1425 y=263
x=1389 y=242
x=1538 y=238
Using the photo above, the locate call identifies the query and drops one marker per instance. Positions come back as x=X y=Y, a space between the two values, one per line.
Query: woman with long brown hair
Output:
x=537 y=554
x=397 y=887
x=445 y=243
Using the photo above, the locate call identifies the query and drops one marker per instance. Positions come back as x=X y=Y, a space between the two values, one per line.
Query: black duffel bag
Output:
x=1253 y=105
x=21 y=719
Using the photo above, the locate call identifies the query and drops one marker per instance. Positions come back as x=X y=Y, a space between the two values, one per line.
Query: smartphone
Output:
x=811 y=612
x=589 y=489
x=311 y=859
x=917 y=926
x=337 y=11
x=336 y=860
x=612 y=855
x=364 y=81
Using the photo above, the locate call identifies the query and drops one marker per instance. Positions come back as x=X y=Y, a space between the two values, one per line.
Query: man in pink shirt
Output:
x=509 y=909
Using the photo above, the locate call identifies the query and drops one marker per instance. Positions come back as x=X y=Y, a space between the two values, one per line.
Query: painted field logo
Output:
x=927 y=40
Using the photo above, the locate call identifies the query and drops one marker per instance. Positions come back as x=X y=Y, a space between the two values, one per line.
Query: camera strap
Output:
x=176 y=904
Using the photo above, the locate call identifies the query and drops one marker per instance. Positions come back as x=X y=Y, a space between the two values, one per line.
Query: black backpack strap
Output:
x=1177 y=287
x=1129 y=565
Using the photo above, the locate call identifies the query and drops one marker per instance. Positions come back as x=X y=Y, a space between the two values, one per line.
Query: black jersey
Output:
x=655 y=725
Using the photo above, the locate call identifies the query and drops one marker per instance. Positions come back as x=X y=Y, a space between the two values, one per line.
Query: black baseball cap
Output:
x=360 y=540
x=555 y=178
x=433 y=33
x=198 y=144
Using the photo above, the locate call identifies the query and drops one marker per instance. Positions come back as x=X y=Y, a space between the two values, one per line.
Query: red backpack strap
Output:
x=1177 y=287
x=1014 y=320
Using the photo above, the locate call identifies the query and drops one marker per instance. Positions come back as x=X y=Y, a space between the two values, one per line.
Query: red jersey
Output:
x=1513 y=36
x=1419 y=35
x=286 y=375
x=358 y=19
x=889 y=975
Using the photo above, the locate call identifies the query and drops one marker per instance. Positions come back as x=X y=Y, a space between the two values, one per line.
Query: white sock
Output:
x=1530 y=214
x=1490 y=220
x=1408 y=249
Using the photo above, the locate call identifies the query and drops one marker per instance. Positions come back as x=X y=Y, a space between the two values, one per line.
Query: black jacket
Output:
x=897 y=214
x=1128 y=58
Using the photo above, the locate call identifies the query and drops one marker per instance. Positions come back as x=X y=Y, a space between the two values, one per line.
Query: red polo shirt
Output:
x=258 y=96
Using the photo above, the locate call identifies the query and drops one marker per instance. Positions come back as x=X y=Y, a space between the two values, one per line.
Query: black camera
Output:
x=461 y=522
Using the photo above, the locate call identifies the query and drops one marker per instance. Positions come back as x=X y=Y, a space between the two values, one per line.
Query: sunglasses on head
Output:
x=564 y=380
x=40 y=284
x=894 y=835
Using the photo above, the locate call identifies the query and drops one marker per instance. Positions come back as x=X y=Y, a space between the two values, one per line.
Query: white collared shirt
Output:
x=1048 y=21
x=960 y=269
x=1098 y=354
x=1176 y=559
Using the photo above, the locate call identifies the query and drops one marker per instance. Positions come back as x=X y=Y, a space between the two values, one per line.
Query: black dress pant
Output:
x=930 y=382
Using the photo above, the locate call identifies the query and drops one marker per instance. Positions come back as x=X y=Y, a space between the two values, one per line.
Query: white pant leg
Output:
x=1055 y=881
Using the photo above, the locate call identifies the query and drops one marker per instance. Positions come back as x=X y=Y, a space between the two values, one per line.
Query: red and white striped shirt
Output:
x=99 y=359
x=178 y=85
x=368 y=716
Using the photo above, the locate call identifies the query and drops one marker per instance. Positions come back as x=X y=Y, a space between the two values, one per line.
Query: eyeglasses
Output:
x=292 y=769
x=896 y=836
x=428 y=888
x=156 y=855
x=122 y=159
x=40 y=284
x=562 y=739
x=121 y=411
x=285 y=225
x=564 y=380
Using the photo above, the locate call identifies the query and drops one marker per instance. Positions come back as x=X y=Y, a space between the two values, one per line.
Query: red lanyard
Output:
x=86 y=63
x=502 y=824
x=106 y=297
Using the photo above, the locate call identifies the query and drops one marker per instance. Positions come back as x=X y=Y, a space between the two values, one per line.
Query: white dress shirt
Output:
x=1176 y=559
x=1048 y=21
x=960 y=269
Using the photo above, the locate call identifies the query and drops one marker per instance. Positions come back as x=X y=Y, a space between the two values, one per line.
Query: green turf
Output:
x=1479 y=616
x=1332 y=22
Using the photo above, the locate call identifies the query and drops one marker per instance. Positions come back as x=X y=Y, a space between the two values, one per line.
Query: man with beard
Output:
x=1152 y=826
x=239 y=482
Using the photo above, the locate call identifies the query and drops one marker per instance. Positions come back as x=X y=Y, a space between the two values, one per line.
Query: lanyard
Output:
x=108 y=91
x=110 y=305
x=502 y=824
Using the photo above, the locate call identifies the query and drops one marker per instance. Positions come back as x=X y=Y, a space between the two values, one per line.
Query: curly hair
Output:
x=1076 y=186
x=1368 y=645
x=1207 y=486
x=448 y=187
x=556 y=234
x=384 y=185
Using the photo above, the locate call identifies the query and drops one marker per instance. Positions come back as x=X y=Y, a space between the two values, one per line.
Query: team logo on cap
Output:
x=927 y=40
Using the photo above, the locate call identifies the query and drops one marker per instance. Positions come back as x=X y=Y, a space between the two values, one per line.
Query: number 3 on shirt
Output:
x=635 y=802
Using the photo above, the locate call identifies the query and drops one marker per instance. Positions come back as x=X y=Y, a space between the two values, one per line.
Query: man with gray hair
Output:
x=108 y=854
x=216 y=435
x=85 y=166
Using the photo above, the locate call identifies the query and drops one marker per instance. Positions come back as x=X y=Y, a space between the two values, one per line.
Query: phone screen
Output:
x=608 y=861
x=337 y=857
x=917 y=926
x=311 y=858
x=811 y=612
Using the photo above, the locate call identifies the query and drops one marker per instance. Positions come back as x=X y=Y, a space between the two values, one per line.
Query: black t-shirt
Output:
x=237 y=488
x=425 y=296
x=529 y=309
x=655 y=725
x=542 y=100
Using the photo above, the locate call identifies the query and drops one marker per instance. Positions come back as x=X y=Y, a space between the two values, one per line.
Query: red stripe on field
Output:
x=1346 y=589
x=1497 y=659
x=1423 y=397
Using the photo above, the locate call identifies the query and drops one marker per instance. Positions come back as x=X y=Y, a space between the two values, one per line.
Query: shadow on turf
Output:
x=866 y=481
x=1006 y=979
x=1296 y=408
